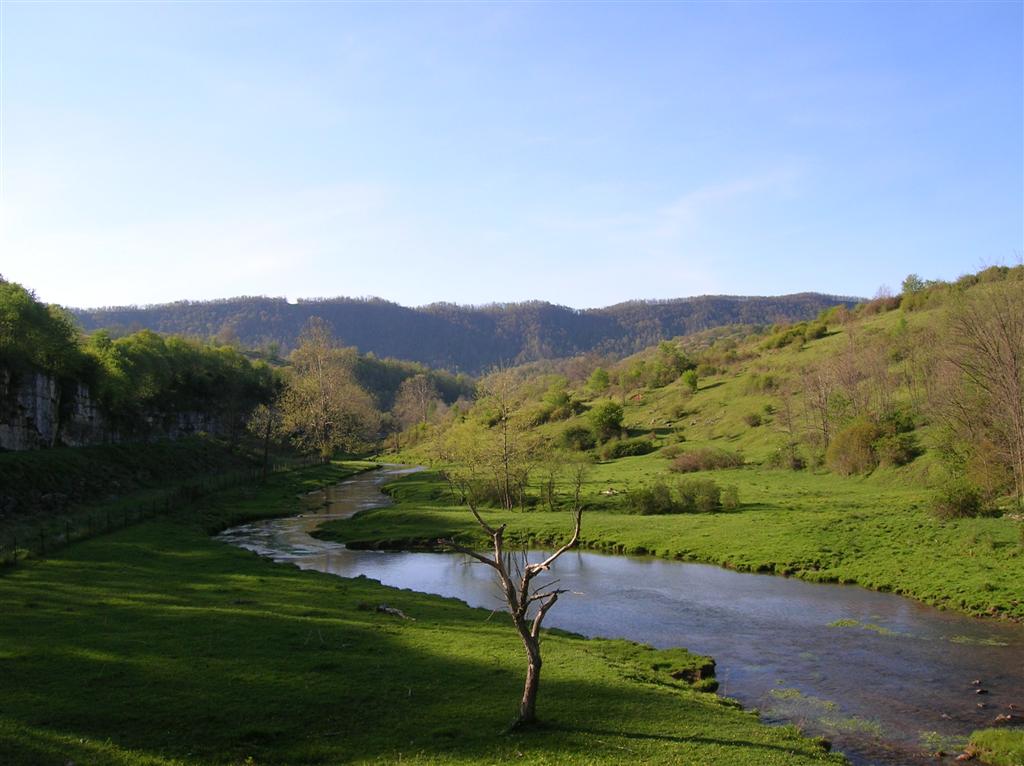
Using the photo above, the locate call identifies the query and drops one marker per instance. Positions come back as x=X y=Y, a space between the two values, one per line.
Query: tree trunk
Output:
x=528 y=705
x=266 y=445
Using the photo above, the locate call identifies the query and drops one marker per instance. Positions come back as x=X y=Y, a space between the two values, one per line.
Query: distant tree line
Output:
x=136 y=379
x=457 y=338
x=142 y=380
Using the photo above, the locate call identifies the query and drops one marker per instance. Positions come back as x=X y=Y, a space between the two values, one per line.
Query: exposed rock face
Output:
x=28 y=411
x=36 y=412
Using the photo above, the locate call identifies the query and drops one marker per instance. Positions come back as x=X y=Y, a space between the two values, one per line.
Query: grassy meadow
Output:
x=158 y=645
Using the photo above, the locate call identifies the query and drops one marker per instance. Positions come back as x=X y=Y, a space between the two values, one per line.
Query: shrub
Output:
x=539 y=415
x=957 y=498
x=752 y=419
x=815 y=331
x=671 y=451
x=690 y=380
x=681 y=411
x=761 y=384
x=578 y=438
x=627 y=448
x=699 y=495
x=852 y=451
x=786 y=458
x=559 y=403
x=896 y=449
x=691 y=496
x=897 y=420
x=730 y=498
x=706 y=459
x=652 y=500
x=598 y=381
x=606 y=419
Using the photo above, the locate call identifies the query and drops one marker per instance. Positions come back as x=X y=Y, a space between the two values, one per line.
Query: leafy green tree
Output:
x=323 y=407
x=606 y=419
x=690 y=380
x=36 y=336
x=668 y=365
x=913 y=284
x=265 y=423
x=598 y=381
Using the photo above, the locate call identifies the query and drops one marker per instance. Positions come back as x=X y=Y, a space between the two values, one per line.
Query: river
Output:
x=886 y=679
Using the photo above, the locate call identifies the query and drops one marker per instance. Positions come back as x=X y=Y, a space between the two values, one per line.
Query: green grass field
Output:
x=999 y=747
x=158 y=645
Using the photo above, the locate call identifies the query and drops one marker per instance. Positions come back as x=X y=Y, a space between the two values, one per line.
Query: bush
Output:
x=815 y=331
x=671 y=451
x=699 y=495
x=852 y=451
x=752 y=419
x=653 y=500
x=690 y=379
x=606 y=419
x=957 y=498
x=578 y=438
x=539 y=415
x=691 y=496
x=761 y=384
x=598 y=381
x=680 y=411
x=786 y=458
x=706 y=459
x=896 y=449
x=627 y=448
x=730 y=498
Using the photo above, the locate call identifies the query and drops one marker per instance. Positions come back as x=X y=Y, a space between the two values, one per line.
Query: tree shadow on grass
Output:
x=158 y=647
x=669 y=738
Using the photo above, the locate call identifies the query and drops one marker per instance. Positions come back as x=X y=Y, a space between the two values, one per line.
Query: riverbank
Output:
x=157 y=645
x=800 y=525
x=998 y=747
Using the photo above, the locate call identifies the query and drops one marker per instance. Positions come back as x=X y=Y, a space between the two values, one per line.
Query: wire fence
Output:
x=53 y=534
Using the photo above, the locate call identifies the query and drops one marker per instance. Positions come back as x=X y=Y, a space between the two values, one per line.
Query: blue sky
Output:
x=579 y=153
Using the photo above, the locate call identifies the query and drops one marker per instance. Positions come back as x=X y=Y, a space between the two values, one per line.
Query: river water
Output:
x=887 y=680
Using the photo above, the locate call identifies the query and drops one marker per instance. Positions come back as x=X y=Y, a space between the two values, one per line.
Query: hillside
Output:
x=458 y=338
x=833 y=444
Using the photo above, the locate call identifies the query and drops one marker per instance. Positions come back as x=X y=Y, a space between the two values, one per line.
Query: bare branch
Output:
x=541 y=614
x=535 y=569
x=450 y=543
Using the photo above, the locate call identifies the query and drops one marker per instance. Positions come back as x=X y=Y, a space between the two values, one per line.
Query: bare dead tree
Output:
x=819 y=387
x=986 y=348
x=787 y=422
x=528 y=603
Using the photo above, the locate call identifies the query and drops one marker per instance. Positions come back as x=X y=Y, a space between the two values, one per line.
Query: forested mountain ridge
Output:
x=454 y=337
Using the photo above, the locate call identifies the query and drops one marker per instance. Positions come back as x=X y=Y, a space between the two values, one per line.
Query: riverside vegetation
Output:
x=166 y=647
